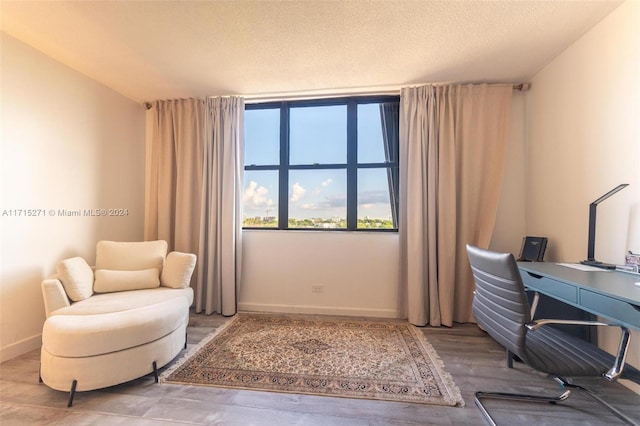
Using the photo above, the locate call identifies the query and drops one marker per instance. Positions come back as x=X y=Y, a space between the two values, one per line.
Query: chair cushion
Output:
x=130 y=256
x=107 y=280
x=555 y=352
x=123 y=301
x=76 y=277
x=178 y=269
x=89 y=335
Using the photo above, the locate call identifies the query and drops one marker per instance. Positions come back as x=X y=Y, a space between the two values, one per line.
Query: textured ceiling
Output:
x=150 y=50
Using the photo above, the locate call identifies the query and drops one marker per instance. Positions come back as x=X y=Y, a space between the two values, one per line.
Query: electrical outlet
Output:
x=317 y=288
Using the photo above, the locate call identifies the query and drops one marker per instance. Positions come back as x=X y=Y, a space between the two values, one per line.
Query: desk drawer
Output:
x=551 y=287
x=613 y=308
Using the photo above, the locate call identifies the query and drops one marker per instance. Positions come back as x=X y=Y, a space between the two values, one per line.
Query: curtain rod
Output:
x=379 y=91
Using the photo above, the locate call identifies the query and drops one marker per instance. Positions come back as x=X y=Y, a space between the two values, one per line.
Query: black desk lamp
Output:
x=591 y=261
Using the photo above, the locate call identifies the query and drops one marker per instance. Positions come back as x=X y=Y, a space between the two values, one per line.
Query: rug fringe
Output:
x=178 y=362
x=447 y=379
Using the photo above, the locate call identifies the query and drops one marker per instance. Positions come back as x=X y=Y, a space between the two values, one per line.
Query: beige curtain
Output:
x=221 y=215
x=453 y=142
x=196 y=165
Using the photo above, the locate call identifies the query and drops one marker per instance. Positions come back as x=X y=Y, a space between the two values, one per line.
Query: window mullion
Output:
x=283 y=175
x=352 y=166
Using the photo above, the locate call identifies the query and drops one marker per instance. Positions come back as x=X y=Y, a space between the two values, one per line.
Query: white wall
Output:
x=67 y=143
x=583 y=139
x=358 y=272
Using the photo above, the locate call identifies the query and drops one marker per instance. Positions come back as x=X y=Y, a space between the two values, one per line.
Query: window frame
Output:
x=351 y=165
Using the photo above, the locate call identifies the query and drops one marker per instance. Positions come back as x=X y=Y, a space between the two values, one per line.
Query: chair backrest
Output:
x=131 y=255
x=500 y=303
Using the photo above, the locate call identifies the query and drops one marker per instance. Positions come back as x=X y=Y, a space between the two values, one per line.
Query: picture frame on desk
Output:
x=533 y=249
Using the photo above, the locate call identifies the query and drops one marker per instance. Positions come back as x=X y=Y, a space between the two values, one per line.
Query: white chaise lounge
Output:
x=119 y=320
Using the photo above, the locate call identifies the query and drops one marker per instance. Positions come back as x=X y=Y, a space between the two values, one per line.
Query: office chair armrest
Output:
x=536 y=324
x=615 y=371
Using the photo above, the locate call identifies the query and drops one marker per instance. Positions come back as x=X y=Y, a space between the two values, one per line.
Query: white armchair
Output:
x=119 y=320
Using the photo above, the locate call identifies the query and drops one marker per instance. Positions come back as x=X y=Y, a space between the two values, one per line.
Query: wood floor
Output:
x=474 y=360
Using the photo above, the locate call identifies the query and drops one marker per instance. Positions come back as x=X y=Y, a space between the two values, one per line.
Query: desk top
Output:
x=610 y=283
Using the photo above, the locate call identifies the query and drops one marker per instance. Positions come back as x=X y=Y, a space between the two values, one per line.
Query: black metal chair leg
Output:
x=509 y=359
x=72 y=394
x=155 y=371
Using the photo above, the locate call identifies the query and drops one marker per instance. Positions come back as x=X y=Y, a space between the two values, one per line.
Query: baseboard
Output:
x=319 y=310
x=21 y=347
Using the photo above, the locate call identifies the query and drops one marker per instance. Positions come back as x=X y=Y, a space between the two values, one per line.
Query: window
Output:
x=322 y=164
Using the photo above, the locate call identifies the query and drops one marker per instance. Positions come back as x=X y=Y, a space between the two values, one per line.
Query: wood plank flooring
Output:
x=474 y=360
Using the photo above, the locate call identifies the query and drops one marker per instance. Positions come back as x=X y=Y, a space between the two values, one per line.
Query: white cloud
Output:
x=323 y=184
x=297 y=192
x=374 y=197
x=327 y=203
x=256 y=195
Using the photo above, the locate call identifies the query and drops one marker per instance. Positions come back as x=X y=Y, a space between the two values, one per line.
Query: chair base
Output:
x=564 y=384
x=515 y=397
x=74 y=384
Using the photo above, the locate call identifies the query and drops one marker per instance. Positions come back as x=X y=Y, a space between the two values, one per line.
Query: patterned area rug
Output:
x=386 y=360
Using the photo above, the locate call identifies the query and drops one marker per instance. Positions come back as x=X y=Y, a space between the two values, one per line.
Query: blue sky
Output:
x=317 y=135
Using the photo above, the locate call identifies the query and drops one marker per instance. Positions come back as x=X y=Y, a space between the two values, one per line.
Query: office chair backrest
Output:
x=500 y=303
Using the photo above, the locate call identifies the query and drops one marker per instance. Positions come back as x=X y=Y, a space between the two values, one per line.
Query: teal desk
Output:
x=608 y=294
